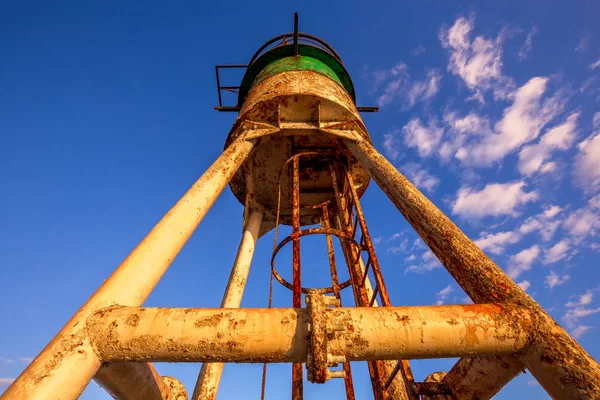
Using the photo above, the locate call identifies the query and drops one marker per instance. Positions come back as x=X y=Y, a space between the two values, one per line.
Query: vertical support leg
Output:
x=297 y=375
x=67 y=364
x=559 y=363
x=210 y=373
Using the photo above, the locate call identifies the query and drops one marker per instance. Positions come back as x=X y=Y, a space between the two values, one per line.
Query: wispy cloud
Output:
x=429 y=262
x=527 y=45
x=425 y=138
x=585 y=221
x=575 y=311
x=26 y=360
x=555 y=279
x=420 y=177
x=545 y=222
x=521 y=123
x=424 y=90
x=557 y=252
x=522 y=261
x=396 y=85
x=587 y=162
x=494 y=199
x=534 y=158
x=443 y=294
x=4 y=360
x=595 y=65
x=477 y=61
x=495 y=243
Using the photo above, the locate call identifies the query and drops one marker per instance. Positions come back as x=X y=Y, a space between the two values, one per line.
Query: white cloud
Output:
x=533 y=158
x=397 y=78
x=520 y=124
x=557 y=252
x=4 y=360
x=577 y=310
x=392 y=145
x=420 y=177
x=524 y=285
x=496 y=242
x=429 y=263
x=584 y=300
x=6 y=381
x=424 y=138
x=443 y=294
x=522 y=261
x=554 y=279
x=583 y=222
x=596 y=120
x=478 y=61
x=543 y=222
x=424 y=90
x=527 y=45
x=595 y=65
x=26 y=360
x=493 y=200
x=395 y=85
x=587 y=163
x=578 y=331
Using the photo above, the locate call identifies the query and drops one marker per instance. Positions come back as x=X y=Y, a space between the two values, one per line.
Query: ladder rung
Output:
x=393 y=374
x=374 y=296
x=364 y=278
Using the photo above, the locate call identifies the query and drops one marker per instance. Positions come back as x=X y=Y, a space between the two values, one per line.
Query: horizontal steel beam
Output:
x=281 y=335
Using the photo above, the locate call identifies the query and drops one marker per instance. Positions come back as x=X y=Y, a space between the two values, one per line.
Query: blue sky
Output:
x=106 y=119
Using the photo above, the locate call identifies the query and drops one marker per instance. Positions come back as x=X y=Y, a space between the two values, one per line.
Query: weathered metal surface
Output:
x=316 y=364
x=297 y=376
x=177 y=390
x=300 y=104
x=68 y=363
x=281 y=335
x=482 y=377
x=133 y=381
x=434 y=388
x=559 y=363
x=207 y=384
x=351 y=250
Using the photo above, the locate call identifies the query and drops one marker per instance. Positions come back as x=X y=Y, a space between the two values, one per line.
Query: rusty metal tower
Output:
x=300 y=155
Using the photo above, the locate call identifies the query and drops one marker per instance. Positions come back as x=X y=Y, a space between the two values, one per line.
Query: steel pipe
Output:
x=118 y=380
x=280 y=335
x=563 y=368
x=210 y=373
x=482 y=377
x=67 y=364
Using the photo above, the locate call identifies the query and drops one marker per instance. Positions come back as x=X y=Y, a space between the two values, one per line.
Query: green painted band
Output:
x=297 y=63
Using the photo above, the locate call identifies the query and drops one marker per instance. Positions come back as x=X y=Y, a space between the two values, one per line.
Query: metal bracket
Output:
x=319 y=358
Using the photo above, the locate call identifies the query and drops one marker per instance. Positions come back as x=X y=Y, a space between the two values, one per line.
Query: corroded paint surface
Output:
x=300 y=105
x=559 y=363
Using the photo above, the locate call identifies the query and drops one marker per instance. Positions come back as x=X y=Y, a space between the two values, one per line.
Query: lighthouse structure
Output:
x=299 y=154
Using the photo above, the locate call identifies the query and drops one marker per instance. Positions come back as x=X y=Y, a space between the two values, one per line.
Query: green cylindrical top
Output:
x=282 y=59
